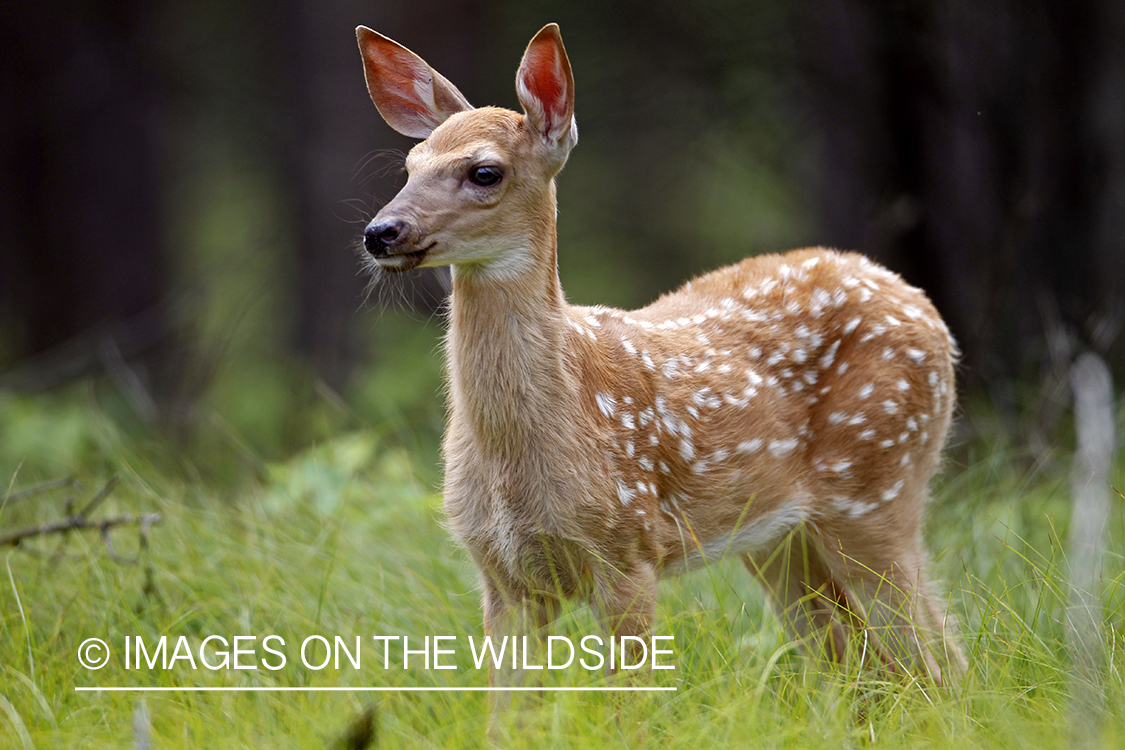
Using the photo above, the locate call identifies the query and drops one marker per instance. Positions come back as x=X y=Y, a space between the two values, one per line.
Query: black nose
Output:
x=381 y=234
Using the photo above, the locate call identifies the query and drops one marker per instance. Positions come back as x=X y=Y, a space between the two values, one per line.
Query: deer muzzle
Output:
x=393 y=243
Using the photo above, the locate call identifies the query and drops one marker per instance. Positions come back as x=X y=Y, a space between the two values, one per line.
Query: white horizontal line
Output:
x=283 y=689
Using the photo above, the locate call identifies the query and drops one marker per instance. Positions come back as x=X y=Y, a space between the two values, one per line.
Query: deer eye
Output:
x=485 y=176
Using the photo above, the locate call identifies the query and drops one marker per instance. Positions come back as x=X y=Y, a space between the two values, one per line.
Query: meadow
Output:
x=345 y=539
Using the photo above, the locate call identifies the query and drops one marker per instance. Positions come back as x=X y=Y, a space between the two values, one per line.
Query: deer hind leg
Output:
x=805 y=596
x=891 y=598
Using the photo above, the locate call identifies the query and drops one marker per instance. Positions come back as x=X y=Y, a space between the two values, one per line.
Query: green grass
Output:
x=345 y=540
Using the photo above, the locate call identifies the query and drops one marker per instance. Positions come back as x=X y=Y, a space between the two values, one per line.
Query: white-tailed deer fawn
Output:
x=790 y=409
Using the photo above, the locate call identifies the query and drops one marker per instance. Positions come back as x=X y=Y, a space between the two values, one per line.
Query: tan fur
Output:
x=790 y=409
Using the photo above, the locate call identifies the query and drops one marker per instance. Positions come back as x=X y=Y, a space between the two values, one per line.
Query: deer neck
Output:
x=506 y=351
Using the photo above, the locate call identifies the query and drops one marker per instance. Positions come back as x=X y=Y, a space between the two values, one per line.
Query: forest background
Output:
x=183 y=187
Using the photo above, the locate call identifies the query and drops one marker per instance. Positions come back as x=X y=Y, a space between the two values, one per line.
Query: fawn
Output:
x=790 y=409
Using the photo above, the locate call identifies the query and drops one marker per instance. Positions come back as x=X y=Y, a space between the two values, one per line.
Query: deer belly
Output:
x=752 y=536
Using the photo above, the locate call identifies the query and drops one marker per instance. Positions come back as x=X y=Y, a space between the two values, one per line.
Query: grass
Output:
x=345 y=540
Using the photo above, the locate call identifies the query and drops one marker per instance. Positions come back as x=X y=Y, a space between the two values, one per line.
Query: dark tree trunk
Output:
x=336 y=177
x=974 y=148
x=80 y=184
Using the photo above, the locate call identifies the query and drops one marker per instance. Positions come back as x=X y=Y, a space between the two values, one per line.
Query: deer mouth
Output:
x=400 y=262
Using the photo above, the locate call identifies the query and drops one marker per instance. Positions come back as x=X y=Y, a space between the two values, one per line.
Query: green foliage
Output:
x=344 y=539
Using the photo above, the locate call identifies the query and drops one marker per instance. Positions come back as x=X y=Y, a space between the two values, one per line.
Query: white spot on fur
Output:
x=853 y=508
x=819 y=300
x=606 y=404
x=750 y=446
x=876 y=330
x=781 y=447
x=624 y=493
x=687 y=450
x=893 y=492
x=829 y=356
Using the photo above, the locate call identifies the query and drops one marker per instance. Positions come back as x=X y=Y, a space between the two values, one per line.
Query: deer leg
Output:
x=524 y=619
x=804 y=595
x=891 y=596
x=626 y=604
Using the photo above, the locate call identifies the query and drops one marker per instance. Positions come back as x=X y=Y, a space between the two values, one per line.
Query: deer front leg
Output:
x=626 y=604
x=524 y=619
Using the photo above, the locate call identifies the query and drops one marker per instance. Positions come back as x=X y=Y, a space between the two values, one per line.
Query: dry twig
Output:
x=80 y=521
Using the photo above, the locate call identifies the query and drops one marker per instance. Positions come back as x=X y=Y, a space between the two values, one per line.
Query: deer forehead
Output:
x=427 y=161
x=488 y=134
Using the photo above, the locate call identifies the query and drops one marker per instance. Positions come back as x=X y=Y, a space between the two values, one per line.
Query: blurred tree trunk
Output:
x=978 y=149
x=336 y=179
x=80 y=186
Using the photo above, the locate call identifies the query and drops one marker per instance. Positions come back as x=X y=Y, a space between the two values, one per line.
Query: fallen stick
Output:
x=74 y=523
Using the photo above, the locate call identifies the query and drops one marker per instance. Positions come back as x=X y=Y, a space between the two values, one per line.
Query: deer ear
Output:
x=545 y=86
x=410 y=95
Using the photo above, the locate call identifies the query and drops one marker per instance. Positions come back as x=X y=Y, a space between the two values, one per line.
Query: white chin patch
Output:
x=404 y=262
